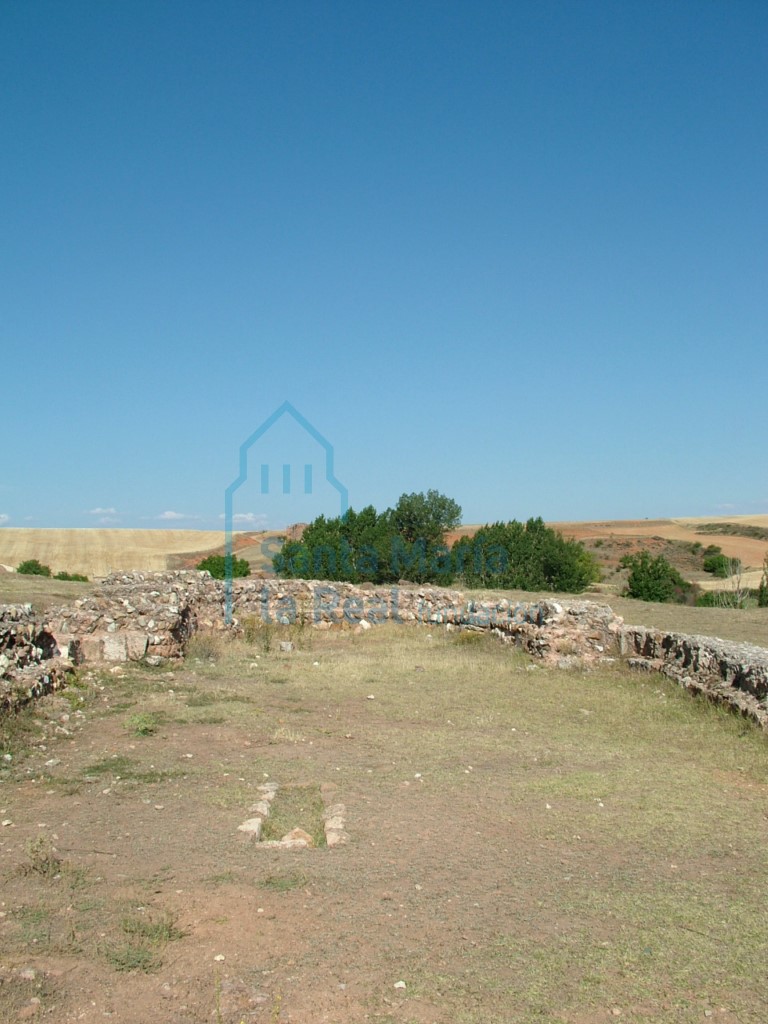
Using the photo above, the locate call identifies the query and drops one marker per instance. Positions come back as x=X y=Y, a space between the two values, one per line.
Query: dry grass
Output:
x=527 y=845
x=37 y=590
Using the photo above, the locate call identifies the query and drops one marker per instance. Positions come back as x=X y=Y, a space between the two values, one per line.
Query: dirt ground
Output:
x=628 y=535
x=525 y=845
x=750 y=550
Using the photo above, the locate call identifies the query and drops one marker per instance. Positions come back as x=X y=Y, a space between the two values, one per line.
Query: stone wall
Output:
x=151 y=616
x=30 y=661
x=726 y=672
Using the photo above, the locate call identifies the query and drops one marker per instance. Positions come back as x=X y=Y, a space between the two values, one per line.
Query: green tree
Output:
x=380 y=547
x=33 y=568
x=425 y=517
x=654 y=579
x=216 y=565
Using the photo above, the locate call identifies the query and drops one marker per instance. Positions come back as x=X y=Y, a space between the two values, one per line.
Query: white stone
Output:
x=334 y=837
x=115 y=648
x=252 y=827
x=261 y=808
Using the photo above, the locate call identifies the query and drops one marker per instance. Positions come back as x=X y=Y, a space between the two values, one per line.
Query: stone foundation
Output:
x=30 y=661
x=151 y=616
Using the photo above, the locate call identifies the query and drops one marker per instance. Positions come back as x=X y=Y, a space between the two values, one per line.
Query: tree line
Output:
x=408 y=542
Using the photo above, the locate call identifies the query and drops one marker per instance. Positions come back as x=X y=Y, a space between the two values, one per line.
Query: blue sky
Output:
x=512 y=251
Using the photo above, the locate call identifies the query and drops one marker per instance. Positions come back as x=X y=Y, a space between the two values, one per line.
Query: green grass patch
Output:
x=143 y=940
x=296 y=806
x=126 y=769
x=145 y=723
x=154 y=929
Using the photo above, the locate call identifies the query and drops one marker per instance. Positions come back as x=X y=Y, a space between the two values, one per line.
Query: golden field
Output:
x=96 y=552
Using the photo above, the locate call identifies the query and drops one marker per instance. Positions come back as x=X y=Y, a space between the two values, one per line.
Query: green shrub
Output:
x=144 y=723
x=216 y=565
x=654 y=579
x=524 y=556
x=407 y=543
x=71 y=577
x=33 y=568
x=721 y=566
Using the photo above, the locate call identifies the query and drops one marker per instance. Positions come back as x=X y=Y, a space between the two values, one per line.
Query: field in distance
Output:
x=97 y=552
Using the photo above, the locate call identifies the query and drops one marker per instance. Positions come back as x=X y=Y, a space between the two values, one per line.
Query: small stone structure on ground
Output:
x=334 y=816
x=151 y=616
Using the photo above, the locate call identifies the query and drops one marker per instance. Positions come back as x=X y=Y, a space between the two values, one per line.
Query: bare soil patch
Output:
x=750 y=550
x=526 y=845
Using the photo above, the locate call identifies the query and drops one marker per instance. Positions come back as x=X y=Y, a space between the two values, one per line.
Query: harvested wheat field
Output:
x=101 y=551
x=525 y=845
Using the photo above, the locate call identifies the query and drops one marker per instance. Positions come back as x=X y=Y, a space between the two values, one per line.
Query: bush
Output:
x=407 y=542
x=33 y=568
x=71 y=577
x=530 y=556
x=216 y=565
x=721 y=566
x=654 y=579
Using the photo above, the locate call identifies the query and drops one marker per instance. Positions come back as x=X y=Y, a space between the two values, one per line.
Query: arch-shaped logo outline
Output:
x=229 y=493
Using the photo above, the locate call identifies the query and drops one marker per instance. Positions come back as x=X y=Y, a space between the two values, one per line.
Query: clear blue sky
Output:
x=513 y=251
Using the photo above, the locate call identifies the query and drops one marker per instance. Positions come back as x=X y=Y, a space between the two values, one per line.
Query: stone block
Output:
x=136 y=645
x=114 y=647
x=252 y=827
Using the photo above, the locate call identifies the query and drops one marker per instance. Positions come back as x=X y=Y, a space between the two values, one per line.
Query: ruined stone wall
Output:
x=151 y=616
x=724 y=671
x=30 y=665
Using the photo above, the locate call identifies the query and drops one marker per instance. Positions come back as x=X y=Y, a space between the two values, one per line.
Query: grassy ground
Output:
x=39 y=591
x=526 y=845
